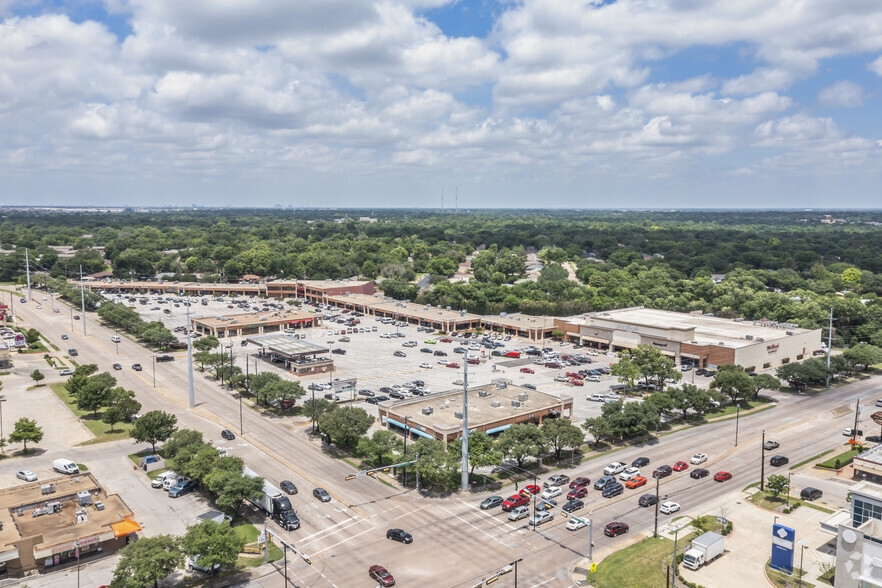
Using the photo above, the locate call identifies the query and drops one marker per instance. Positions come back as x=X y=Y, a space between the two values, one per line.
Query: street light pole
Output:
x=406 y=435
x=655 y=531
x=154 y=371
x=2 y=400
x=674 y=572
x=313 y=411
x=801 y=554
x=763 y=462
x=737 y=412
x=788 y=488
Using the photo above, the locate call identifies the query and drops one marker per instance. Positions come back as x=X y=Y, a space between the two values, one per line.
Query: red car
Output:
x=575 y=375
x=722 y=476
x=575 y=382
x=474 y=361
x=615 y=529
x=381 y=575
x=514 y=501
x=513 y=354
x=533 y=489
x=447 y=340
x=578 y=492
x=453 y=364
x=579 y=482
x=680 y=466
x=528 y=371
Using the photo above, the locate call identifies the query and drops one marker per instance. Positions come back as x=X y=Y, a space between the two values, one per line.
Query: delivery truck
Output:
x=274 y=503
x=704 y=548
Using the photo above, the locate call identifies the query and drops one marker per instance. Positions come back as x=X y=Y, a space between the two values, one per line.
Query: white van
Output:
x=115 y=339
x=158 y=480
x=172 y=481
x=65 y=466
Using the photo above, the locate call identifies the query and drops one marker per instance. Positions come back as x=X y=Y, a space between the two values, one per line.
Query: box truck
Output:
x=274 y=503
x=703 y=549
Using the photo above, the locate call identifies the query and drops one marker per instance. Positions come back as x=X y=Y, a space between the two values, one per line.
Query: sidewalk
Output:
x=748 y=548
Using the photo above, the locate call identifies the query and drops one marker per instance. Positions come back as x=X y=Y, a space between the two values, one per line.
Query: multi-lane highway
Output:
x=456 y=544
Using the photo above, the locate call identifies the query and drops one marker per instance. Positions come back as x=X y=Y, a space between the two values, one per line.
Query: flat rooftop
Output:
x=481 y=411
x=319 y=284
x=141 y=285
x=520 y=321
x=286 y=343
x=708 y=330
x=255 y=319
x=420 y=311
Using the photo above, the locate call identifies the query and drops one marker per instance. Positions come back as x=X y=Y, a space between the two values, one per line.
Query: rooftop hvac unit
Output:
x=739 y=320
x=462 y=313
x=47 y=489
x=53 y=507
x=495 y=404
x=447 y=308
x=760 y=339
x=99 y=505
x=457 y=414
x=428 y=410
x=515 y=403
x=84 y=498
x=523 y=396
x=38 y=512
x=502 y=314
x=790 y=333
x=483 y=393
x=749 y=337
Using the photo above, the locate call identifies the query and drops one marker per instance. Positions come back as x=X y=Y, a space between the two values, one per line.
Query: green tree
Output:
x=214 y=543
x=630 y=419
x=95 y=394
x=766 y=382
x=777 y=484
x=206 y=343
x=863 y=354
x=734 y=382
x=147 y=561
x=482 y=450
x=78 y=380
x=379 y=445
x=434 y=463
x=315 y=408
x=346 y=424
x=625 y=370
x=37 y=376
x=25 y=430
x=32 y=336
x=652 y=364
x=561 y=434
x=662 y=402
x=599 y=428
x=234 y=487
x=156 y=426
x=521 y=441
x=201 y=464
x=121 y=405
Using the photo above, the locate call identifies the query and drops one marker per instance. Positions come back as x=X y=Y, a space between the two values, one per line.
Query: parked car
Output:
x=400 y=354
x=381 y=575
x=526 y=370
x=399 y=535
x=182 y=488
x=65 y=372
x=26 y=475
x=615 y=529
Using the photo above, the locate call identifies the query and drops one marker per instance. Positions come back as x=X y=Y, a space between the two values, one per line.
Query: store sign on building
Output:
x=772 y=348
x=657 y=344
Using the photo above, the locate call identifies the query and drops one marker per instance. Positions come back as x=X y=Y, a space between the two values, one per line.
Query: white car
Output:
x=385 y=336
x=552 y=492
x=575 y=524
x=26 y=475
x=613 y=469
x=65 y=372
x=698 y=458
x=629 y=473
x=669 y=507
x=426 y=365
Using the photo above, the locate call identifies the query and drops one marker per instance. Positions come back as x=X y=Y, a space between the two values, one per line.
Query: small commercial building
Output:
x=868 y=465
x=255 y=323
x=318 y=290
x=48 y=523
x=179 y=288
x=534 y=328
x=440 y=319
x=492 y=408
x=299 y=356
x=704 y=341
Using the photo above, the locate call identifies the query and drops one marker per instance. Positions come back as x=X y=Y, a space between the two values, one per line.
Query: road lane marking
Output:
x=475 y=527
x=314 y=553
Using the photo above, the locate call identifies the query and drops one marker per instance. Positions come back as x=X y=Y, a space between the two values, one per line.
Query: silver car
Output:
x=541 y=517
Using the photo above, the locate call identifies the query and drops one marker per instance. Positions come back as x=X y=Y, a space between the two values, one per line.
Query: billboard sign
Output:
x=782 y=548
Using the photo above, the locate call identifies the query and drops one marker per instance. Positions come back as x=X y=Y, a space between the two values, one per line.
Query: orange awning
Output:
x=125 y=527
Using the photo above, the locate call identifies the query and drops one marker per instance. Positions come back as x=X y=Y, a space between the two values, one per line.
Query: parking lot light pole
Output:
x=788 y=488
x=406 y=435
x=737 y=412
x=763 y=462
x=2 y=400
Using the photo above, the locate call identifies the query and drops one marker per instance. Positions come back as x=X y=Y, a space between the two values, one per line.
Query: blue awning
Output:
x=497 y=429
x=410 y=428
x=394 y=422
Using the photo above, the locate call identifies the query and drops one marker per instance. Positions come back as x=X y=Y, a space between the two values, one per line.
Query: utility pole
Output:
x=82 y=299
x=655 y=530
x=590 y=536
x=465 y=421
x=829 y=345
x=28 y=272
x=763 y=462
x=857 y=414
x=406 y=435
x=190 y=393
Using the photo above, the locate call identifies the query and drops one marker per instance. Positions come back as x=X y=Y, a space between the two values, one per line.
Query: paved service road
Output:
x=455 y=543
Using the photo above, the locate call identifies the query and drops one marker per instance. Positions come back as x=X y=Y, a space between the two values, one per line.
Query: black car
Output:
x=400 y=354
x=339 y=351
x=530 y=386
x=810 y=493
x=117 y=366
x=399 y=535
x=365 y=393
x=699 y=473
x=227 y=434
x=573 y=505
x=613 y=489
x=662 y=471
x=440 y=353
x=381 y=398
x=425 y=350
x=164 y=358
x=373 y=400
x=491 y=502
x=640 y=462
x=385 y=389
x=647 y=500
x=778 y=460
x=72 y=352
x=396 y=394
x=331 y=396
x=459 y=349
x=546 y=504
x=288 y=486
x=874 y=438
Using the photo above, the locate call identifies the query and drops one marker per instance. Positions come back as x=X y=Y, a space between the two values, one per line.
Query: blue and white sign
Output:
x=783 y=539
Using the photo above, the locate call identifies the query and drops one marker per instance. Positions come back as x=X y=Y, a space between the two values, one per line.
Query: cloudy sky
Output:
x=518 y=103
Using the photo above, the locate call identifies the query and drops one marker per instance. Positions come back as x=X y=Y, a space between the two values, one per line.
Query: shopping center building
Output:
x=255 y=323
x=704 y=341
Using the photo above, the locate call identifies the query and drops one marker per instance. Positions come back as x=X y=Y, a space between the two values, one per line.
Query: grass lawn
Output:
x=249 y=533
x=766 y=500
x=731 y=410
x=844 y=459
x=642 y=565
x=782 y=580
x=811 y=459
x=99 y=429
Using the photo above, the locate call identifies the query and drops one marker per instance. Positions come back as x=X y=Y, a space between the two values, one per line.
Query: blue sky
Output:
x=370 y=103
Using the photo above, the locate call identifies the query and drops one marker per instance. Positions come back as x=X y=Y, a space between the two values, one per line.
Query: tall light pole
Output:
x=465 y=422
x=674 y=572
x=737 y=412
x=83 y=300
x=406 y=435
x=191 y=396
x=655 y=530
x=2 y=400
x=801 y=554
x=763 y=462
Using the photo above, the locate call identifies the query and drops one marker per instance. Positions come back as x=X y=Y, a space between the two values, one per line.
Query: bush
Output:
x=728 y=528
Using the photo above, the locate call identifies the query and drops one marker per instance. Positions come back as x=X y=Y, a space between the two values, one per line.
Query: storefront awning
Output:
x=497 y=429
x=125 y=527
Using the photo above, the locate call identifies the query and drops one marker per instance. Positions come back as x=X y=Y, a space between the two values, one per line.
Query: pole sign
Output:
x=877 y=417
x=19 y=340
x=782 y=548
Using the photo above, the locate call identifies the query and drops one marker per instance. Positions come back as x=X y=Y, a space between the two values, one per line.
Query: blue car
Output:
x=182 y=488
